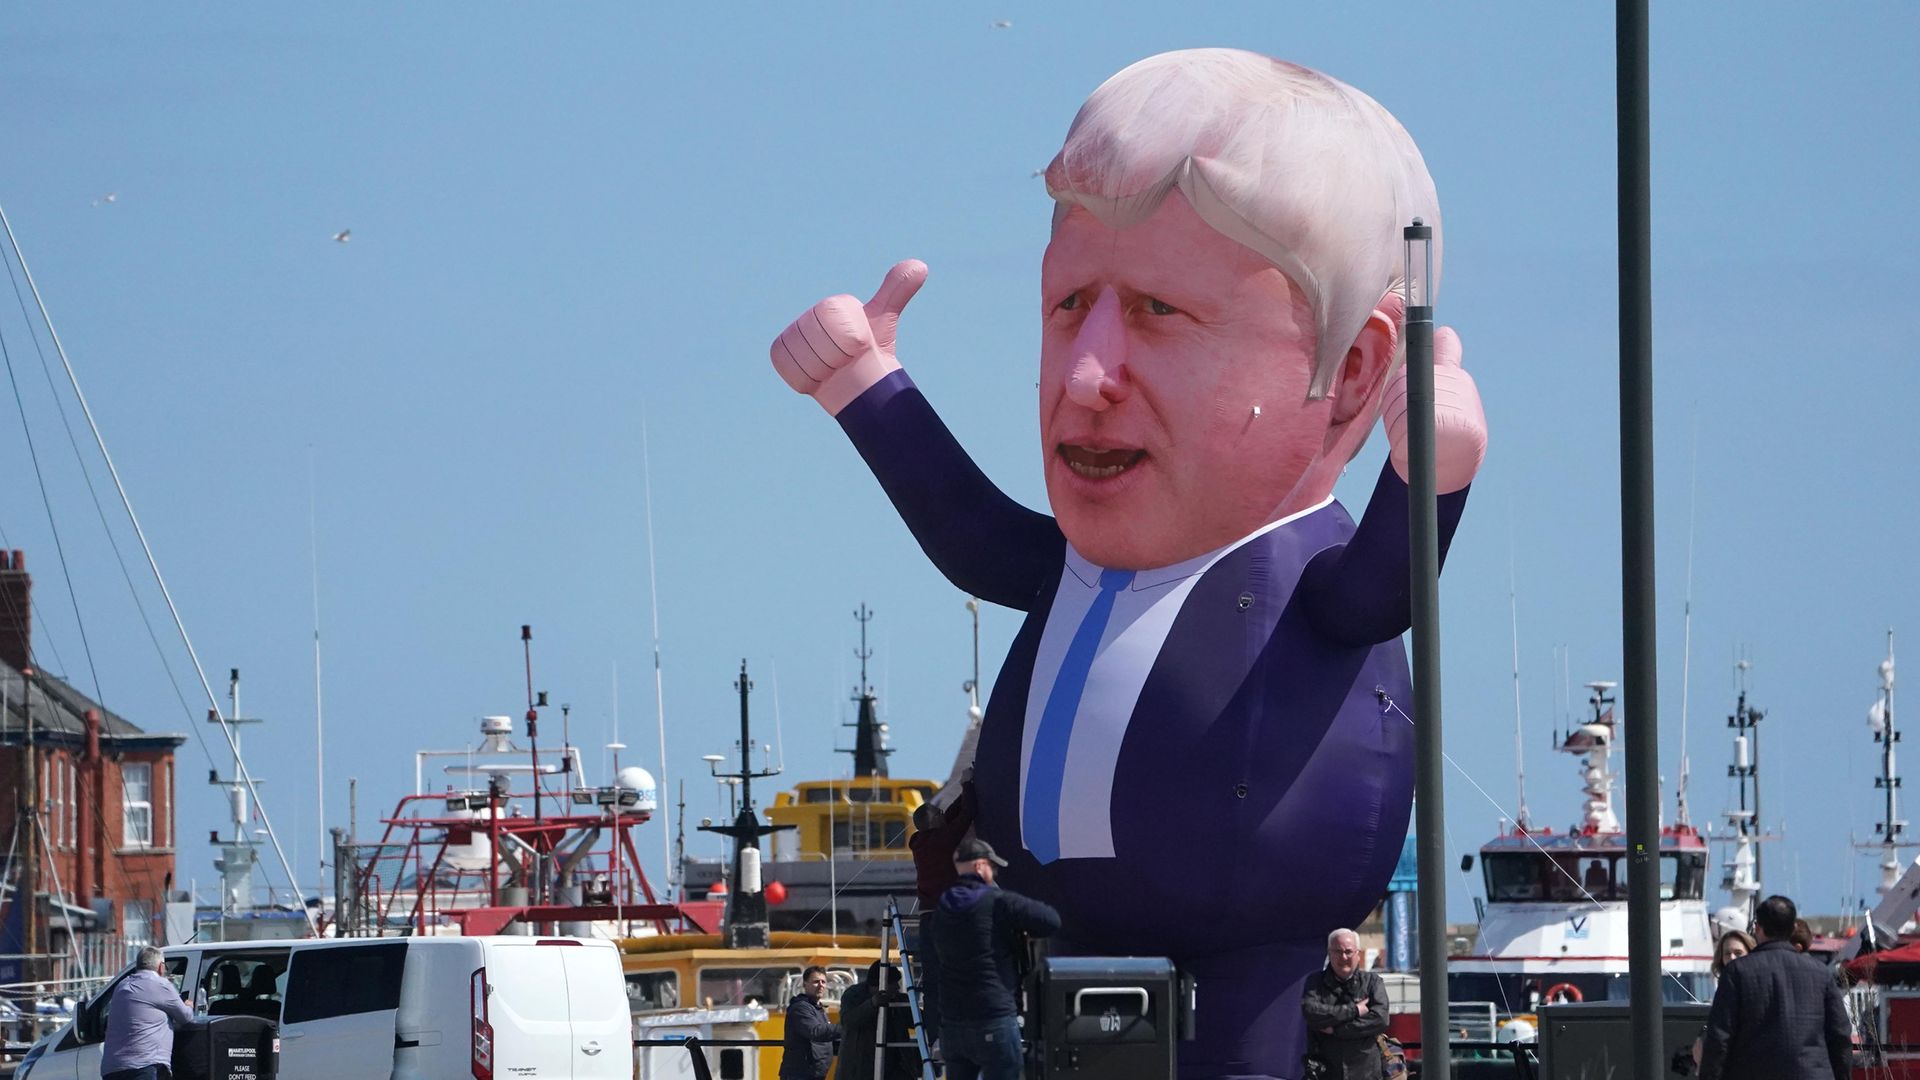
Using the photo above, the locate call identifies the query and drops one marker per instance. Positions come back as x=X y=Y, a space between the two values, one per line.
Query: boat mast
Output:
x=126 y=503
x=973 y=684
x=1686 y=638
x=1593 y=742
x=1742 y=879
x=746 y=922
x=674 y=867
x=537 y=879
x=1519 y=746
x=319 y=714
x=679 y=854
x=869 y=736
x=1884 y=733
x=237 y=855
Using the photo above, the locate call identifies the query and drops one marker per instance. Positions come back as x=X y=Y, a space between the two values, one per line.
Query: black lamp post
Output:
x=1424 y=563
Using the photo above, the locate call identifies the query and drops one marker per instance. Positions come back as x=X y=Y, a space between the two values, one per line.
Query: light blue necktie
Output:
x=1046 y=769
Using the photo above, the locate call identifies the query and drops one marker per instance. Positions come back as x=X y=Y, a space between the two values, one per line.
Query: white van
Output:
x=432 y=1008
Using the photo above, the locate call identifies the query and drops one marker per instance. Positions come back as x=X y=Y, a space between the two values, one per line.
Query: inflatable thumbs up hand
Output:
x=1459 y=423
x=839 y=347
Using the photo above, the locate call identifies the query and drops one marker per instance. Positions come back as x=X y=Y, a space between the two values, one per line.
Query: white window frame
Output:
x=166 y=798
x=72 y=806
x=130 y=836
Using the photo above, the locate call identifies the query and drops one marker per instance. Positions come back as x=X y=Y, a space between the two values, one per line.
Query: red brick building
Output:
x=88 y=815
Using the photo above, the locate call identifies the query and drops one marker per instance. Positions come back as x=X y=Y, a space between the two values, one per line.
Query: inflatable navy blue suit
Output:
x=1256 y=792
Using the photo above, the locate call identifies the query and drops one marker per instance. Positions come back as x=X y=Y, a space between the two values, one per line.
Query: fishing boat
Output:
x=1554 y=922
x=522 y=845
x=1880 y=955
x=839 y=848
x=681 y=985
x=734 y=983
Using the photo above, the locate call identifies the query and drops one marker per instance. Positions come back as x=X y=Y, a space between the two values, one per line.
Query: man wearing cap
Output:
x=976 y=932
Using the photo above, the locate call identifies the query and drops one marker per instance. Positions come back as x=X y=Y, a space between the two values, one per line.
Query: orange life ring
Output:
x=1563 y=992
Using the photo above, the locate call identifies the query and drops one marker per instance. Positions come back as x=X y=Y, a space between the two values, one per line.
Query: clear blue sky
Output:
x=569 y=217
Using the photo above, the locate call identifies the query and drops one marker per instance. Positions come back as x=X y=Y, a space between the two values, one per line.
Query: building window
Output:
x=166 y=804
x=50 y=801
x=136 y=923
x=136 y=789
x=72 y=801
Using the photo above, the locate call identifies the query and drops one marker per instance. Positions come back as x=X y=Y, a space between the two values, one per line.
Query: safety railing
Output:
x=696 y=1049
x=1481 y=1060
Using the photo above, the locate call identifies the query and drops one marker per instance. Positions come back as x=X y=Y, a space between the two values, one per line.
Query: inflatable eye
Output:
x=1071 y=303
x=1161 y=307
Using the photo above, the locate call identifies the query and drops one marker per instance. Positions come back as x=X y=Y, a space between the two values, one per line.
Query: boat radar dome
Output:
x=639 y=781
x=1728 y=918
x=496 y=730
x=1516 y=1030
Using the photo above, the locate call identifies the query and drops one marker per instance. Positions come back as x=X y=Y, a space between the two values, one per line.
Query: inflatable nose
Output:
x=1097 y=377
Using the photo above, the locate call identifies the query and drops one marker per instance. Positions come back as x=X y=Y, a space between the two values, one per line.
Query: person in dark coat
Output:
x=860 y=1010
x=937 y=834
x=1346 y=1011
x=1777 y=1014
x=976 y=934
x=808 y=1053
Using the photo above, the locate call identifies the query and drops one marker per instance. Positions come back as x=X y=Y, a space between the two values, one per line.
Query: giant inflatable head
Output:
x=1219 y=314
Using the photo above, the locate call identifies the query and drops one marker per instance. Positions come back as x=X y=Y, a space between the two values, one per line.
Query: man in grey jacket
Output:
x=146 y=1008
x=1346 y=1012
x=1777 y=1014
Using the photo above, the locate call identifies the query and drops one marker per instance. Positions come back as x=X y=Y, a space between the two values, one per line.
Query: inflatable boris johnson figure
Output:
x=1185 y=752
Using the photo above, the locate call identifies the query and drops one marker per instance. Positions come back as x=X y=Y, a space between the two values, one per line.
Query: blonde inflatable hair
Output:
x=1304 y=170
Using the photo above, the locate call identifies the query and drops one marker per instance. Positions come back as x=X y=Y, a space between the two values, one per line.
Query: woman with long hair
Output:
x=1732 y=945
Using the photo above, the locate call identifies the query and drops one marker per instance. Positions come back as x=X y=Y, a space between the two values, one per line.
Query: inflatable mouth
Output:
x=1099 y=464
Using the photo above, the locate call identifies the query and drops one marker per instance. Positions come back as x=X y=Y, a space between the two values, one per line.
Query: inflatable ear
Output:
x=1360 y=388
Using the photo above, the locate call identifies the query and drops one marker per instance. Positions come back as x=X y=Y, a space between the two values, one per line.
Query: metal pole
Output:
x=1636 y=541
x=1424 y=561
x=880 y=1016
x=27 y=892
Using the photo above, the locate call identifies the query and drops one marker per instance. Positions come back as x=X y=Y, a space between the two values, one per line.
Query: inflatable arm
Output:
x=840 y=352
x=984 y=542
x=1360 y=592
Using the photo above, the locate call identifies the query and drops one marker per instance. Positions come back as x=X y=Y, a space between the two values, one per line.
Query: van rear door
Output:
x=597 y=1002
x=338 y=1018
x=528 y=1009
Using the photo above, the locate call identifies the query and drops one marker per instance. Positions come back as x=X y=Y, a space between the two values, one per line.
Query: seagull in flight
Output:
x=107 y=198
x=343 y=236
x=1001 y=24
